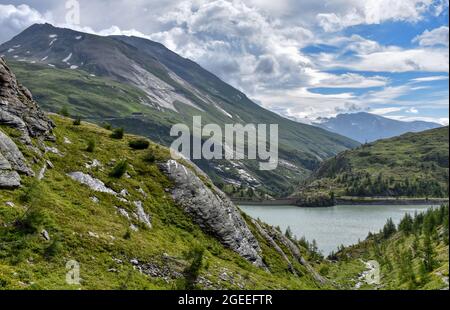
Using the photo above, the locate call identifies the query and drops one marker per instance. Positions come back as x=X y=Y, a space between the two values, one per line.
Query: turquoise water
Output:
x=331 y=227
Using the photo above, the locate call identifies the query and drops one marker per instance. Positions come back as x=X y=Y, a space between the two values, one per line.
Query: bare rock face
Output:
x=13 y=155
x=19 y=111
x=212 y=211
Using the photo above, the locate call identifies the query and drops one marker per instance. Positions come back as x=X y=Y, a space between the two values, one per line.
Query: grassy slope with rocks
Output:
x=413 y=255
x=411 y=165
x=100 y=239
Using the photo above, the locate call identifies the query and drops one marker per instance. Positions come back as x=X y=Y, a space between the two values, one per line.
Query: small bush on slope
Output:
x=118 y=133
x=139 y=144
x=119 y=170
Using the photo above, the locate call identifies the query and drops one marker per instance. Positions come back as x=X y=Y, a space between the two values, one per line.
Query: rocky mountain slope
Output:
x=99 y=211
x=146 y=88
x=129 y=218
x=366 y=127
x=412 y=165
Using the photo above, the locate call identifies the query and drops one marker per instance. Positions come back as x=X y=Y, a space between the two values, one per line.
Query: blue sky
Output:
x=303 y=59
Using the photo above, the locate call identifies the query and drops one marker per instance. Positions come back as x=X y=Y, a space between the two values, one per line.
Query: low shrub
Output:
x=54 y=249
x=119 y=170
x=64 y=111
x=139 y=144
x=149 y=158
x=192 y=271
x=33 y=220
x=31 y=193
x=118 y=133
x=77 y=121
x=91 y=146
x=107 y=125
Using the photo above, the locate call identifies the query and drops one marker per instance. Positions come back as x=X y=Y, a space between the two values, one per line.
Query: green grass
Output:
x=95 y=234
x=64 y=208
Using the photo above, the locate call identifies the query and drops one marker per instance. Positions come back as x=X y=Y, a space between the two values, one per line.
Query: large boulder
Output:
x=212 y=211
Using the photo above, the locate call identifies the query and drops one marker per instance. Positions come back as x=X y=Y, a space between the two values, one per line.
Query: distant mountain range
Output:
x=367 y=127
x=146 y=88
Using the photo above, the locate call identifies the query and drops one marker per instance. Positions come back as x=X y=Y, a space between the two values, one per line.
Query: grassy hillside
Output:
x=413 y=255
x=92 y=232
x=87 y=227
x=411 y=165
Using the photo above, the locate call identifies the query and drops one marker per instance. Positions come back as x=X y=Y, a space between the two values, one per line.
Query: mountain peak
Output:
x=368 y=127
x=113 y=78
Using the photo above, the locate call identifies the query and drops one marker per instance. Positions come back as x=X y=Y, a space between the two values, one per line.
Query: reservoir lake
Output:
x=334 y=226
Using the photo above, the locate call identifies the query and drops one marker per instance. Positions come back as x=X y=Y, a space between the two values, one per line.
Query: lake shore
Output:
x=348 y=201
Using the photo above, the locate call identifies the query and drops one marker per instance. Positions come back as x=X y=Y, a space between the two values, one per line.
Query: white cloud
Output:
x=412 y=110
x=239 y=43
x=256 y=45
x=397 y=60
x=386 y=95
x=440 y=120
x=369 y=55
x=303 y=104
x=378 y=11
x=430 y=79
x=351 y=80
x=438 y=36
x=14 y=19
x=384 y=111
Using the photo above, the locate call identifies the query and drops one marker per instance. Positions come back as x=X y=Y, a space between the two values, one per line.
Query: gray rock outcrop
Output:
x=9 y=179
x=91 y=182
x=11 y=162
x=212 y=211
x=19 y=111
x=141 y=215
x=13 y=155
